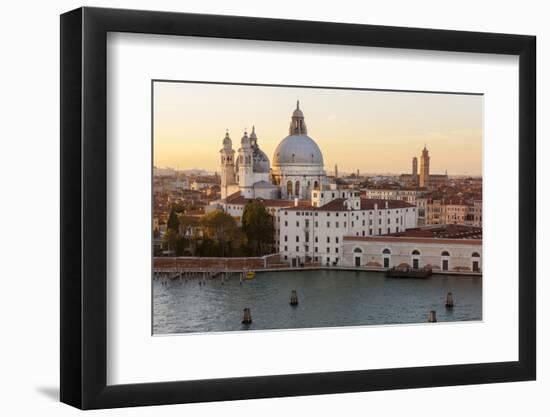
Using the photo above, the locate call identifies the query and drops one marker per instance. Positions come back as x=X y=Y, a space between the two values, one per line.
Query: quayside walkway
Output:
x=188 y=266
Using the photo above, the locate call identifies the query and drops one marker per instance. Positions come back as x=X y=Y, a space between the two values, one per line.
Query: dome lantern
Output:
x=297 y=124
x=253 y=137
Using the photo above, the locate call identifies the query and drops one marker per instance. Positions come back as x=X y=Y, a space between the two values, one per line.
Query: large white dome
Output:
x=297 y=150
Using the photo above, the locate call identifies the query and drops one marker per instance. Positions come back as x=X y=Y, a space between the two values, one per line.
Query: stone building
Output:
x=441 y=248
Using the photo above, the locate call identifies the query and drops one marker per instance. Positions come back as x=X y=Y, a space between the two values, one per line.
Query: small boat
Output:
x=397 y=272
x=250 y=275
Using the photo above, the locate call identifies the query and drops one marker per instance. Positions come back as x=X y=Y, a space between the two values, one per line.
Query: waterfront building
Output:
x=315 y=233
x=442 y=248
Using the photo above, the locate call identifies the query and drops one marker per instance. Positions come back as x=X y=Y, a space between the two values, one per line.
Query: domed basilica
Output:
x=298 y=165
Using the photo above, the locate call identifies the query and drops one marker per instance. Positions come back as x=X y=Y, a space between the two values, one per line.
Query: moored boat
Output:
x=397 y=272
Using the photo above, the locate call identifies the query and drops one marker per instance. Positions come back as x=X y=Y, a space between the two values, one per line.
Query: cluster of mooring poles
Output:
x=449 y=304
x=247 y=315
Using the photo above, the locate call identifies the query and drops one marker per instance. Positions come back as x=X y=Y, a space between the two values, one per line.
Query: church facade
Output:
x=298 y=165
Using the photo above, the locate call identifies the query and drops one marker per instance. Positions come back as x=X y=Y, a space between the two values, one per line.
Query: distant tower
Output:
x=424 y=168
x=335 y=170
x=227 y=167
x=245 y=167
x=415 y=170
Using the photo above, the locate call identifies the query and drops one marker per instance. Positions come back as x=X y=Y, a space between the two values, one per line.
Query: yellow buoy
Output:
x=250 y=275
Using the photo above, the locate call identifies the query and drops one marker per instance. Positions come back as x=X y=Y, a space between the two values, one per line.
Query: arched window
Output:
x=475 y=255
x=415 y=252
x=445 y=253
x=358 y=250
x=289 y=187
x=316 y=185
x=297 y=188
x=386 y=251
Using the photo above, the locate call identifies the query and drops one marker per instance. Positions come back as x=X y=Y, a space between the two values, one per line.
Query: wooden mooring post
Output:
x=247 y=316
x=449 y=302
x=293 y=298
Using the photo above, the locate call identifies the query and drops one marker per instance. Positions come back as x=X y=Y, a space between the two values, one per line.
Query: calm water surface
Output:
x=327 y=298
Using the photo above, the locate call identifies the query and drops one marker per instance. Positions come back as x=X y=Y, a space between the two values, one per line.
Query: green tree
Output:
x=170 y=239
x=181 y=244
x=173 y=222
x=221 y=228
x=208 y=247
x=178 y=207
x=258 y=228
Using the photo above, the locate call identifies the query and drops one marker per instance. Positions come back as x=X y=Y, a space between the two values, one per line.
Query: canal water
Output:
x=327 y=298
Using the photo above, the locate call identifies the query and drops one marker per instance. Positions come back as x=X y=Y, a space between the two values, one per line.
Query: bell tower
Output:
x=245 y=167
x=227 y=165
x=424 y=168
x=415 y=170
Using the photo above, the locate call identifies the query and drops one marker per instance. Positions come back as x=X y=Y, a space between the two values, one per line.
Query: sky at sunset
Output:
x=373 y=131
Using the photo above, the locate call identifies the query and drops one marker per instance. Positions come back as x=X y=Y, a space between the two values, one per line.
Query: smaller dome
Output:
x=260 y=161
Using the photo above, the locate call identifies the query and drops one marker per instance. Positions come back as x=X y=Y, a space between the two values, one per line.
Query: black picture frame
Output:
x=84 y=207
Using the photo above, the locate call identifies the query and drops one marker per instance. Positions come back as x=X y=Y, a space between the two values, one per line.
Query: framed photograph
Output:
x=256 y=208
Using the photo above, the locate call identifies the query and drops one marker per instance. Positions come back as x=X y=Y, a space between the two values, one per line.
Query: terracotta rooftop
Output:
x=445 y=231
x=366 y=204
x=238 y=199
x=389 y=238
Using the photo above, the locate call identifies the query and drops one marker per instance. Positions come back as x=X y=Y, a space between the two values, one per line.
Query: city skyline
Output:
x=388 y=128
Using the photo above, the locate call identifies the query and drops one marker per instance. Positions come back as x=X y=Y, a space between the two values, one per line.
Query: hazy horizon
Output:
x=377 y=132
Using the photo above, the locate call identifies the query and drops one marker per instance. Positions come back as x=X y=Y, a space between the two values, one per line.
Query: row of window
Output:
x=317 y=259
x=387 y=251
x=363 y=233
x=336 y=239
x=337 y=224
x=316 y=249
x=337 y=214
